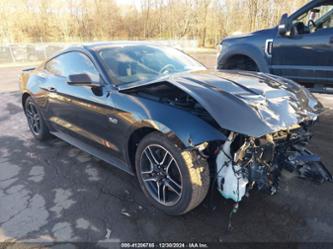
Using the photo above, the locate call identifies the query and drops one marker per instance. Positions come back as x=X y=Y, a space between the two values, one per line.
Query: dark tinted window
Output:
x=72 y=63
x=131 y=63
x=54 y=66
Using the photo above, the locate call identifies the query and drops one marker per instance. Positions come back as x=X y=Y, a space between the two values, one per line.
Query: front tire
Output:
x=241 y=63
x=175 y=181
x=35 y=120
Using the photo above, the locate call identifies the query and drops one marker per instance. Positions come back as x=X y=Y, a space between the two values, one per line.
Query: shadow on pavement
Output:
x=54 y=192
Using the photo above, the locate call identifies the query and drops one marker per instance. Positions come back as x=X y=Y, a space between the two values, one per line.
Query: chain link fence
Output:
x=31 y=52
x=13 y=53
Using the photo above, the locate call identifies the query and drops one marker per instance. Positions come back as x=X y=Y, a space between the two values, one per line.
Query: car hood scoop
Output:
x=252 y=104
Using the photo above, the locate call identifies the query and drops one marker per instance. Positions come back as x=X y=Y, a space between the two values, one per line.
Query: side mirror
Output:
x=81 y=80
x=283 y=27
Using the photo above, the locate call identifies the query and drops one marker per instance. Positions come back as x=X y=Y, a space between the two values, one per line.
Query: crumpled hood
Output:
x=249 y=103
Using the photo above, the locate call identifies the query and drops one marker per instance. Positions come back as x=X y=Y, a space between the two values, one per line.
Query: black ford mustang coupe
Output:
x=156 y=113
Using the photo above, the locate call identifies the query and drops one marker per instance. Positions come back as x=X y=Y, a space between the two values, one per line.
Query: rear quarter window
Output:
x=73 y=63
x=54 y=67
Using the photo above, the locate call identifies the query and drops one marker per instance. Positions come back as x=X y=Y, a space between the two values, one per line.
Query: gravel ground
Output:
x=55 y=192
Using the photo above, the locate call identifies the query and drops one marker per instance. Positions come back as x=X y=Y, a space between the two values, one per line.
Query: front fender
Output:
x=249 y=50
x=188 y=133
x=179 y=124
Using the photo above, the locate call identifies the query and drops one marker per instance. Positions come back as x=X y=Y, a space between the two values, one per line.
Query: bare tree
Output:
x=208 y=21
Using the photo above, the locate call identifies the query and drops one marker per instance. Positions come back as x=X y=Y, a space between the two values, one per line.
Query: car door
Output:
x=80 y=112
x=307 y=56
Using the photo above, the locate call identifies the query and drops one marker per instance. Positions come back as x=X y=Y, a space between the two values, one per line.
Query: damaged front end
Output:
x=263 y=124
x=244 y=163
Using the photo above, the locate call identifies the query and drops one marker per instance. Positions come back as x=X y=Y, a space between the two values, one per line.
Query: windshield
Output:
x=130 y=63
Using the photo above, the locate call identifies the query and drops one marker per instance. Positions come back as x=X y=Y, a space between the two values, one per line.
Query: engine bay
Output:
x=246 y=162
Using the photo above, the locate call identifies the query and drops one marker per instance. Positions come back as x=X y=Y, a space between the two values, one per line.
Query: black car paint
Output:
x=265 y=103
x=306 y=58
x=81 y=115
x=102 y=120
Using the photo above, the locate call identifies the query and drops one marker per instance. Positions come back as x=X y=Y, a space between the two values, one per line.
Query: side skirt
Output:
x=94 y=151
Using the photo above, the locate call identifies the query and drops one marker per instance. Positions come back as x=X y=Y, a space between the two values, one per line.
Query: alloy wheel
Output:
x=161 y=175
x=33 y=118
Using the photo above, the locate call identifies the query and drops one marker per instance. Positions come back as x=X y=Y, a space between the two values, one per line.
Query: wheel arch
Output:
x=249 y=51
x=142 y=130
x=24 y=98
x=237 y=57
x=200 y=134
x=133 y=142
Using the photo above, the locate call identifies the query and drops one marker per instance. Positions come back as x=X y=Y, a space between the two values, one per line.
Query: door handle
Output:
x=50 y=89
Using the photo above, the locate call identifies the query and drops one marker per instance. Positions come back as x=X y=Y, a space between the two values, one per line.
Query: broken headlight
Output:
x=246 y=162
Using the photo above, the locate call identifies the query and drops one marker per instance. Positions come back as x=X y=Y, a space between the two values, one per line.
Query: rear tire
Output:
x=175 y=181
x=35 y=120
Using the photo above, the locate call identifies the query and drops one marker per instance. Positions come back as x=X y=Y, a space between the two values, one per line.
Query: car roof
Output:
x=101 y=45
x=96 y=46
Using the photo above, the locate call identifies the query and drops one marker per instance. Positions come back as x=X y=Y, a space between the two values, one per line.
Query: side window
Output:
x=55 y=67
x=77 y=63
x=317 y=18
x=72 y=63
x=323 y=19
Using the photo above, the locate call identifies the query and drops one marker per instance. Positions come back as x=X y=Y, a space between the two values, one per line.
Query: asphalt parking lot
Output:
x=55 y=192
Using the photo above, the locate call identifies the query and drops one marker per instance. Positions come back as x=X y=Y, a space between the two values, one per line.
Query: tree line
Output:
x=206 y=21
